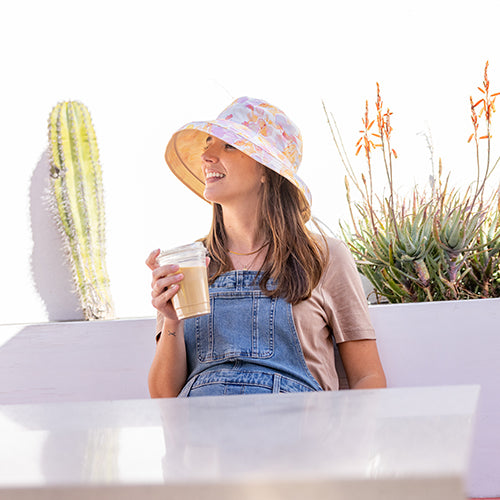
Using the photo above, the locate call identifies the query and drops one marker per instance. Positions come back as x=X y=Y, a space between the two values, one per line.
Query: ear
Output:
x=264 y=174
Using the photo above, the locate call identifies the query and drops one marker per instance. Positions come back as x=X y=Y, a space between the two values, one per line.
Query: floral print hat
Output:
x=253 y=126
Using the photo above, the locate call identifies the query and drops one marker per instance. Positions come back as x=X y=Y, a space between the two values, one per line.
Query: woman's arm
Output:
x=362 y=364
x=347 y=311
x=168 y=372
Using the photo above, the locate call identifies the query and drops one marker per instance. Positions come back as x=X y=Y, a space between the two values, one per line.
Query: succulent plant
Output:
x=441 y=246
x=78 y=203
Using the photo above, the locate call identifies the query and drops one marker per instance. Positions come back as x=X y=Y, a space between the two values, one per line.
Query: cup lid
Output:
x=184 y=251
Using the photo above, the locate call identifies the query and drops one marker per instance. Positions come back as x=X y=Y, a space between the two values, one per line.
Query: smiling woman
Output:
x=281 y=295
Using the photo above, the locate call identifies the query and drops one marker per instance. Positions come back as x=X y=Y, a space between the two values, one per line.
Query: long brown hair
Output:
x=295 y=257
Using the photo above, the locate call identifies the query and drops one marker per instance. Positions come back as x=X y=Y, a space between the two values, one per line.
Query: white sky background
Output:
x=146 y=68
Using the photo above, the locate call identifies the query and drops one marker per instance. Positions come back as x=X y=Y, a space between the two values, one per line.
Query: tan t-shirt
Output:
x=337 y=305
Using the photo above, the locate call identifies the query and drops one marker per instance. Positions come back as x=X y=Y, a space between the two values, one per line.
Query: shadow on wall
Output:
x=50 y=266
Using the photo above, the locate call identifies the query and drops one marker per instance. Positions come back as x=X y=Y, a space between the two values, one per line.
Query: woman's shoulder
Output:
x=339 y=259
x=335 y=247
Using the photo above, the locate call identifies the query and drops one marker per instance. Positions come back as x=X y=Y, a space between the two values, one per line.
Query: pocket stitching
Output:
x=207 y=355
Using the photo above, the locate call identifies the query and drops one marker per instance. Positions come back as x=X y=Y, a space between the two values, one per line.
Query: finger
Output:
x=151 y=261
x=160 y=285
x=162 y=271
x=161 y=299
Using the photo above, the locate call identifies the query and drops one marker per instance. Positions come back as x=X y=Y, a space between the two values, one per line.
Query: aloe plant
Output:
x=483 y=279
x=441 y=246
x=78 y=202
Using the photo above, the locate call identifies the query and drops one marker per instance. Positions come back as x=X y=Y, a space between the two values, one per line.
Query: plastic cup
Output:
x=192 y=298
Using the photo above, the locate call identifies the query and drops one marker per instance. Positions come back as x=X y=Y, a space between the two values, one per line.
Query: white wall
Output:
x=146 y=68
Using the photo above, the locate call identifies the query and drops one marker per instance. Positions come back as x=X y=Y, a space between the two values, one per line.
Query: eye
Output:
x=228 y=146
x=207 y=143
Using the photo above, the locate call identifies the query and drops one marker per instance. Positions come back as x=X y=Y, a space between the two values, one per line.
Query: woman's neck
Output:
x=243 y=231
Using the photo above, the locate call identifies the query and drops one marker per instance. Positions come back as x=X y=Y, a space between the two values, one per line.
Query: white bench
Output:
x=109 y=360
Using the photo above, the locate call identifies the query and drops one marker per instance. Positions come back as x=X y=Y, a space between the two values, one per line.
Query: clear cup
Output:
x=192 y=299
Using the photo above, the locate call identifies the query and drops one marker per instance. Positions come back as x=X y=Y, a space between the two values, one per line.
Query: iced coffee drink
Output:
x=192 y=298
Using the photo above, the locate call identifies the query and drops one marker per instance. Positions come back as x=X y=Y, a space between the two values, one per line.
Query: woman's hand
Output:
x=164 y=286
x=168 y=371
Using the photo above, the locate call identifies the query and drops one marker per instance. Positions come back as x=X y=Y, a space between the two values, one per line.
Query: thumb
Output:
x=151 y=261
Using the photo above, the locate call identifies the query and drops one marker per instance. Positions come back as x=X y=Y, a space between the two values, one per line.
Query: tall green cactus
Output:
x=79 y=204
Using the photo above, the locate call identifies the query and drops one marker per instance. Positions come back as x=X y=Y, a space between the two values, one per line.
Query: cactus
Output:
x=78 y=202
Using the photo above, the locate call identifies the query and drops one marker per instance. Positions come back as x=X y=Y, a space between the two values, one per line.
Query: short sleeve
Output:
x=344 y=301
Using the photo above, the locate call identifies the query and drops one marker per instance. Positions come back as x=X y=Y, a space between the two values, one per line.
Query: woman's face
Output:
x=230 y=175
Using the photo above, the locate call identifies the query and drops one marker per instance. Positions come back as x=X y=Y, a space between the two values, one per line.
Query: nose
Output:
x=210 y=155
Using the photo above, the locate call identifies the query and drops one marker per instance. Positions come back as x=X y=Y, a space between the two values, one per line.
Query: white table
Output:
x=381 y=444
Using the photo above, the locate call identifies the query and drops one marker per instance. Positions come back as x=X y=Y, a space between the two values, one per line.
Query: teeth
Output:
x=210 y=175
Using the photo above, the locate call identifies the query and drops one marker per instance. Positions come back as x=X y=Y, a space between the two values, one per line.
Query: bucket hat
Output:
x=255 y=127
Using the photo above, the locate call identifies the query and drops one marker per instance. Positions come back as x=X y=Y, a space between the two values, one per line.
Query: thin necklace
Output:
x=246 y=267
x=249 y=253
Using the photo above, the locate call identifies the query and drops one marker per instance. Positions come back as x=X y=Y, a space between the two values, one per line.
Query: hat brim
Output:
x=184 y=150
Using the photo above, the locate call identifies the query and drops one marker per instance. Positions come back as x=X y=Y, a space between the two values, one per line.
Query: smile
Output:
x=214 y=175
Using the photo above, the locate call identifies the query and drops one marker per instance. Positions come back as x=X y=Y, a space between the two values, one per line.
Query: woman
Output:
x=281 y=295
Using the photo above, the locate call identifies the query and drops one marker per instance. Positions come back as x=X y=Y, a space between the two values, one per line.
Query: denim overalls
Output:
x=246 y=345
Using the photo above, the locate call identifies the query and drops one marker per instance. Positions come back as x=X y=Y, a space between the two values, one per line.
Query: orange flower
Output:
x=487 y=106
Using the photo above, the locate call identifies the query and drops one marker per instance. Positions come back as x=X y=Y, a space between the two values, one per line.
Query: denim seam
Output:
x=252 y=384
x=221 y=379
x=255 y=326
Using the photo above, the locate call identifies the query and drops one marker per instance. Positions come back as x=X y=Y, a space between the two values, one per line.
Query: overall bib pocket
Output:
x=244 y=327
